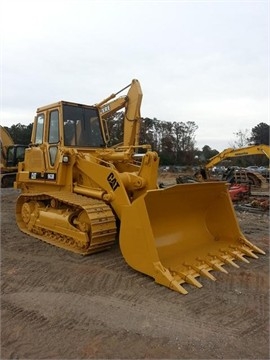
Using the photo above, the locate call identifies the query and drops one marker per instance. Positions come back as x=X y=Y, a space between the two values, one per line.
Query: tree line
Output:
x=175 y=142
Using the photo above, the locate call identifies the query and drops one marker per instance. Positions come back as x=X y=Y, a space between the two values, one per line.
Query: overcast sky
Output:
x=201 y=61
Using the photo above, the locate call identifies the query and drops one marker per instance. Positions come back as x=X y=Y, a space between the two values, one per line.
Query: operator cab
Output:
x=15 y=154
x=69 y=124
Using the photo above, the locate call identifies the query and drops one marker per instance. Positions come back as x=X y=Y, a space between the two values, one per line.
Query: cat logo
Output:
x=112 y=181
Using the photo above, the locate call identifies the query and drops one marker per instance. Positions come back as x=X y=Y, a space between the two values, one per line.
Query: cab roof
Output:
x=61 y=103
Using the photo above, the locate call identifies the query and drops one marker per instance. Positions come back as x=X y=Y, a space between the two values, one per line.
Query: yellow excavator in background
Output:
x=233 y=153
x=238 y=175
x=11 y=154
x=82 y=195
x=254 y=177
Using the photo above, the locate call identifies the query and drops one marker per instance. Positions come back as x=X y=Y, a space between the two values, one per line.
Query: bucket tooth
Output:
x=190 y=279
x=227 y=259
x=238 y=256
x=258 y=250
x=242 y=258
x=230 y=261
x=166 y=277
x=249 y=253
x=215 y=264
x=252 y=246
x=177 y=287
x=203 y=271
x=218 y=267
x=207 y=274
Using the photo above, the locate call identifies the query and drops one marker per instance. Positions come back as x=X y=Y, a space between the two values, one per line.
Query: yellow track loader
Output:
x=11 y=154
x=82 y=195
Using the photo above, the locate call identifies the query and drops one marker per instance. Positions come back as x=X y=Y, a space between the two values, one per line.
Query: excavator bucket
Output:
x=182 y=232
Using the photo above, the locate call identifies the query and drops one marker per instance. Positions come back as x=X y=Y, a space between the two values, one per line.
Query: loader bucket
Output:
x=182 y=232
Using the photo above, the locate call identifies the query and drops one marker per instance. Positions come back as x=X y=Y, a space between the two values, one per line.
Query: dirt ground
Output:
x=59 y=305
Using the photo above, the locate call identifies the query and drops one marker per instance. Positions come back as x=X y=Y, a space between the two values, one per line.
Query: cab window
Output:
x=52 y=154
x=82 y=127
x=39 y=129
x=53 y=127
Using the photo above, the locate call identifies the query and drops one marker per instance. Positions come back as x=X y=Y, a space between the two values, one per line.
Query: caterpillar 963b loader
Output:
x=80 y=194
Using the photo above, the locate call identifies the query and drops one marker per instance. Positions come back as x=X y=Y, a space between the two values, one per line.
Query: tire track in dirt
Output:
x=51 y=297
x=74 y=313
x=41 y=308
x=106 y=274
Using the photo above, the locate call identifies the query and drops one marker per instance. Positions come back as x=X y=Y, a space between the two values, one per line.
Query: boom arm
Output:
x=6 y=141
x=244 y=151
x=132 y=103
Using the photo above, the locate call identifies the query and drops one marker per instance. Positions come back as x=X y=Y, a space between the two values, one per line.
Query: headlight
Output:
x=65 y=159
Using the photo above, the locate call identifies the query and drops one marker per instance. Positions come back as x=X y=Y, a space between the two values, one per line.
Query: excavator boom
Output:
x=253 y=178
x=132 y=104
x=244 y=151
x=5 y=141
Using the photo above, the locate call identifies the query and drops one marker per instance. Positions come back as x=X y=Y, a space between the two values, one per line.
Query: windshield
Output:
x=82 y=127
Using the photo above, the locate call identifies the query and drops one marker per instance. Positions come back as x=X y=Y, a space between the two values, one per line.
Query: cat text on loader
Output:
x=75 y=189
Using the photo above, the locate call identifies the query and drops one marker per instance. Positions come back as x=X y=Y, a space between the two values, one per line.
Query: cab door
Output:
x=52 y=145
